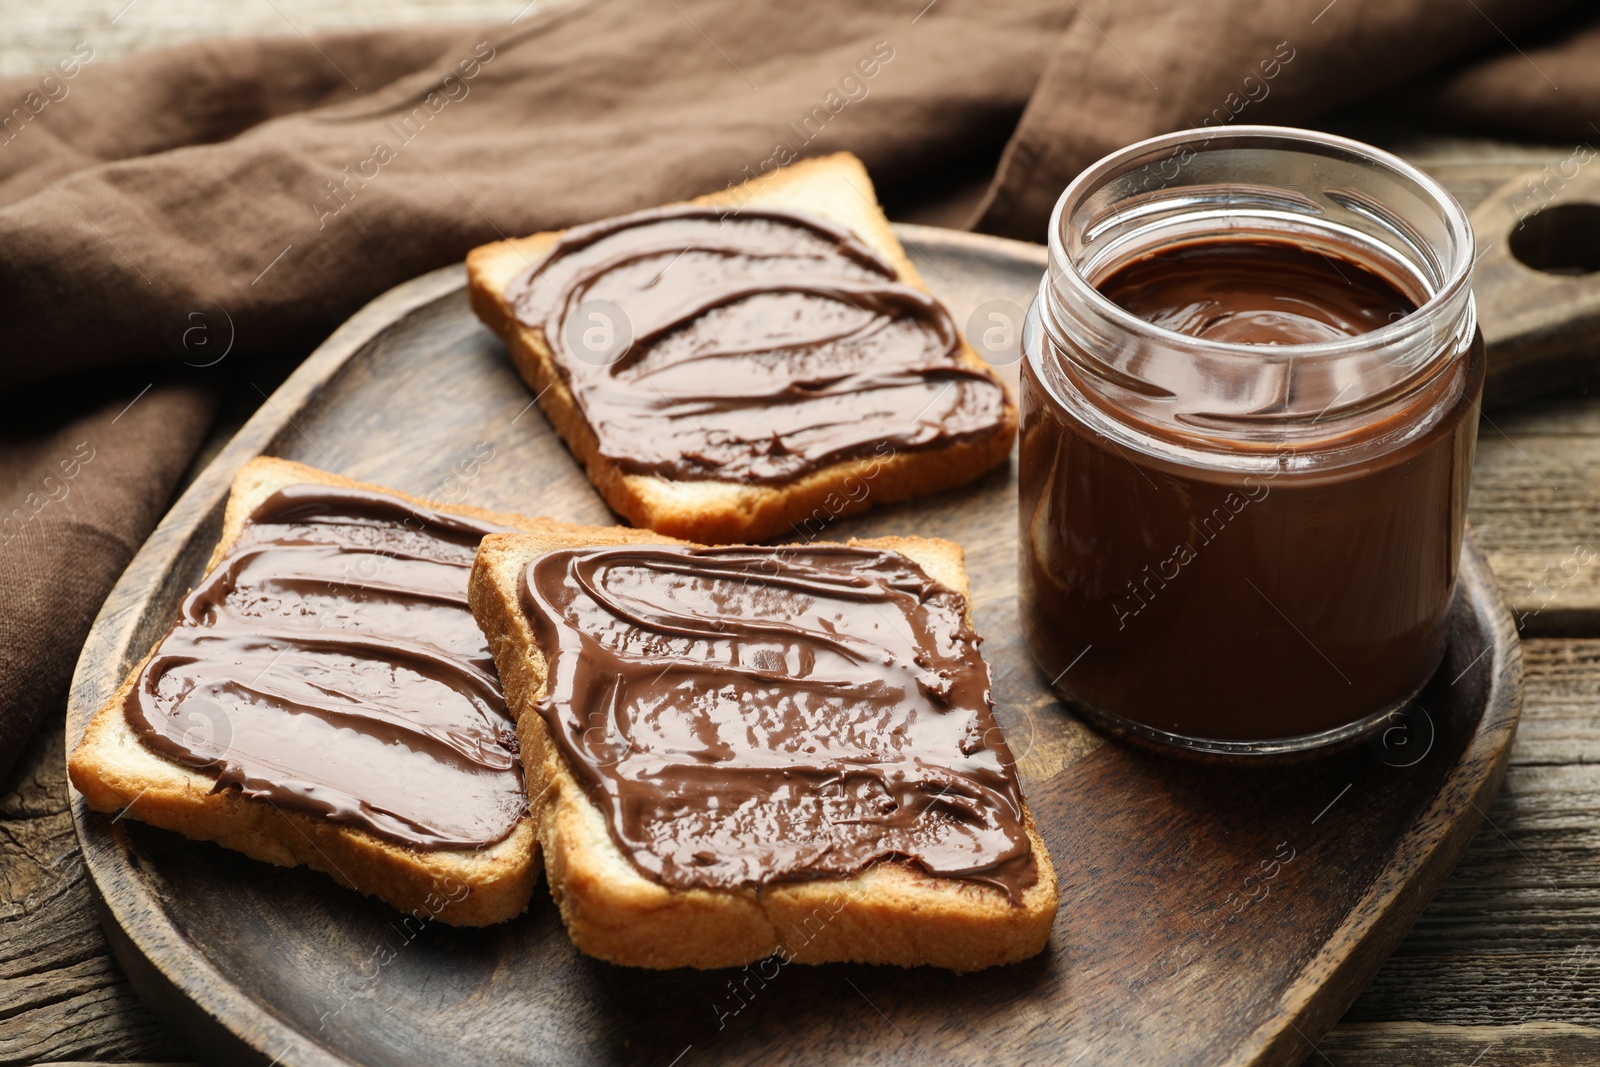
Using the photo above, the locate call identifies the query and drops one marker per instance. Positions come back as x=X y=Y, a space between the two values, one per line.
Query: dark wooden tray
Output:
x=1209 y=915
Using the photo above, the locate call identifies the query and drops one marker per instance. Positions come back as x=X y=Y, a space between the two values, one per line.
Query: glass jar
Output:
x=1246 y=547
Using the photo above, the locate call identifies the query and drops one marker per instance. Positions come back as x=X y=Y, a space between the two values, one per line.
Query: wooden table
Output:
x=1503 y=966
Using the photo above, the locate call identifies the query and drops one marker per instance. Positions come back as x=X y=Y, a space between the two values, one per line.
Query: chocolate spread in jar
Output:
x=329 y=663
x=765 y=344
x=747 y=716
x=1256 y=293
x=1222 y=604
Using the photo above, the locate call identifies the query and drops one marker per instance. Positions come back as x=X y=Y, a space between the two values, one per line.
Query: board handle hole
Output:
x=1562 y=239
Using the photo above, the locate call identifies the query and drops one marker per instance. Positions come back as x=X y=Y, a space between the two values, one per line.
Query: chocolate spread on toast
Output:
x=751 y=347
x=748 y=716
x=330 y=664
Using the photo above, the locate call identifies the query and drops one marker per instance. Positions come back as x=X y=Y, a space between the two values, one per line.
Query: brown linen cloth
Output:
x=243 y=197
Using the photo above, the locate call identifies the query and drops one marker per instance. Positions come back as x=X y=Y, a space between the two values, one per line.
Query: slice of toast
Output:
x=116 y=772
x=890 y=913
x=717 y=512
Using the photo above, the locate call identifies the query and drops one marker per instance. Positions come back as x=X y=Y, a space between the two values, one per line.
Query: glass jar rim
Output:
x=1456 y=277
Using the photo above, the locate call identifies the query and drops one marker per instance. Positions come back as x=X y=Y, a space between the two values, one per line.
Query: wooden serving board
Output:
x=1209 y=914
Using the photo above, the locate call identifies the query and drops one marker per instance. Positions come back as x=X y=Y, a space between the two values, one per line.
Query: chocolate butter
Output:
x=1228 y=604
x=764 y=344
x=1256 y=293
x=329 y=664
x=750 y=716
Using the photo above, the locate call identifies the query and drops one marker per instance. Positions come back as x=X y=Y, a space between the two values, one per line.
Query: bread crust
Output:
x=116 y=772
x=891 y=913
x=835 y=187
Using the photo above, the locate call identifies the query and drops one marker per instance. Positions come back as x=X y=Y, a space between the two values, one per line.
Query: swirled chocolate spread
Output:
x=330 y=664
x=752 y=347
x=1256 y=293
x=745 y=716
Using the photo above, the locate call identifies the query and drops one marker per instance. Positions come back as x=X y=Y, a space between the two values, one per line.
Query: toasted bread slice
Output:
x=890 y=913
x=116 y=772
x=715 y=512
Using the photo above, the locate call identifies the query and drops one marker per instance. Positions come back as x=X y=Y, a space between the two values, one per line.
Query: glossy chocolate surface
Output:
x=751 y=347
x=330 y=664
x=750 y=716
x=1256 y=293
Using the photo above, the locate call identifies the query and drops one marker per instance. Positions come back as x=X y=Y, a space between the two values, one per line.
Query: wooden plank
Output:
x=1536 y=504
x=1512 y=936
x=1431 y=1045
x=61 y=994
x=1469 y=166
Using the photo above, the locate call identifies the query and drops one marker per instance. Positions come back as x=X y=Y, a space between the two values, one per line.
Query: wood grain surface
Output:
x=1536 y=280
x=1500 y=968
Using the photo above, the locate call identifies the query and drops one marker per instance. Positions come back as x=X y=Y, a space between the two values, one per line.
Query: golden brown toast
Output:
x=116 y=772
x=889 y=913
x=835 y=188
